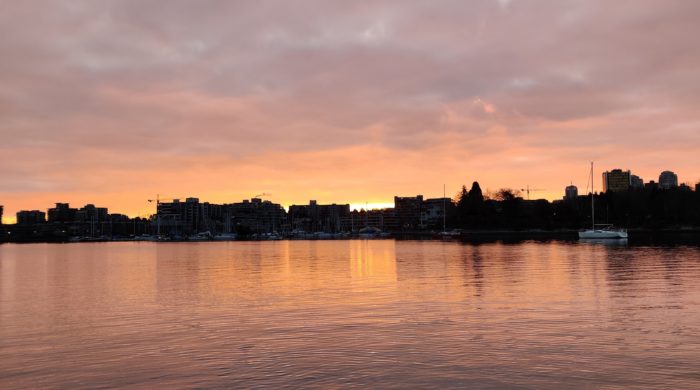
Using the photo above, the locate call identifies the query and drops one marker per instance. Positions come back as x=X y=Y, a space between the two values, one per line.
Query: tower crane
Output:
x=527 y=190
x=260 y=196
x=158 y=199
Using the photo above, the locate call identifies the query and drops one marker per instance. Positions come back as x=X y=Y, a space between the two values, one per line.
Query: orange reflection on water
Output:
x=373 y=261
x=247 y=314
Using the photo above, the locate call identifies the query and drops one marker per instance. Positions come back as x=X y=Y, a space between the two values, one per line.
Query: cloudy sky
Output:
x=113 y=102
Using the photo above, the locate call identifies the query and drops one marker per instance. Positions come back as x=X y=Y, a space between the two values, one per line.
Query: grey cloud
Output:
x=240 y=78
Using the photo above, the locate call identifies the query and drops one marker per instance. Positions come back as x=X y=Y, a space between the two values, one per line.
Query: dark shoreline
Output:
x=685 y=235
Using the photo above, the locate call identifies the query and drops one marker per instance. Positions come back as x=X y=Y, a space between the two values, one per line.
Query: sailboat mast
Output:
x=592 y=199
x=444 y=208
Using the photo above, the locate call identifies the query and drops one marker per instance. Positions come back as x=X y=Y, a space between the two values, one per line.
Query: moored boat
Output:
x=603 y=232
x=600 y=231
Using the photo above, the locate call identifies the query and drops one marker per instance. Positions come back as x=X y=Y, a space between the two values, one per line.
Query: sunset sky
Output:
x=113 y=102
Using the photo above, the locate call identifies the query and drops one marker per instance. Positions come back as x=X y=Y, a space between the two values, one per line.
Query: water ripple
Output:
x=350 y=314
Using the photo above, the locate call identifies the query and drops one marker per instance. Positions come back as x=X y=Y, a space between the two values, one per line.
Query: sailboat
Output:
x=444 y=234
x=600 y=231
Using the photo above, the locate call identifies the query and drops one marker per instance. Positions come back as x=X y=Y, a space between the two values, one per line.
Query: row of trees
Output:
x=637 y=208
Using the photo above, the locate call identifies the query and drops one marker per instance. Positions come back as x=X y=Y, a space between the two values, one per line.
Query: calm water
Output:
x=344 y=314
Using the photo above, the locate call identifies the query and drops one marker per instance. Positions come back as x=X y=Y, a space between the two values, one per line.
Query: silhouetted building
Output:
x=1 y=211
x=697 y=187
x=92 y=221
x=408 y=211
x=178 y=218
x=256 y=216
x=684 y=187
x=211 y=218
x=667 y=180
x=571 y=192
x=91 y=214
x=636 y=182
x=30 y=217
x=435 y=211
x=168 y=218
x=191 y=215
x=651 y=185
x=616 y=180
x=313 y=217
x=383 y=219
x=62 y=213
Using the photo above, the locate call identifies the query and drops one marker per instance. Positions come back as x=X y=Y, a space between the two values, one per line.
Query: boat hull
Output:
x=602 y=234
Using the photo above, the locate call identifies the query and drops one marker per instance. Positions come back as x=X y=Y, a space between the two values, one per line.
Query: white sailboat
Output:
x=600 y=231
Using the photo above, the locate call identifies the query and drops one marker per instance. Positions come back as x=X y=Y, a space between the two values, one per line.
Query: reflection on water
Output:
x=349 y=314
x=606 y=242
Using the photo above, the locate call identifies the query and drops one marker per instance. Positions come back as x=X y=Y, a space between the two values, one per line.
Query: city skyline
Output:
x=114 y=102
x=524 y=193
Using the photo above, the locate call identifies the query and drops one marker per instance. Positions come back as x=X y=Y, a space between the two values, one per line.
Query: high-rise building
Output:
x=33 y=217
x=697 y=188
x=571 y=192
x=667 y=180
x=636 y=182
x=1 y=209
x=616 y=180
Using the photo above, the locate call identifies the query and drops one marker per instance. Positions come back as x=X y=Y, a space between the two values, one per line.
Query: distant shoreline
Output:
x=637 y=235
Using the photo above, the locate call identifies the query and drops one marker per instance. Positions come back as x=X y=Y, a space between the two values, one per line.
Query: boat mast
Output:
x=444 y=208
x=157 y=213
x=592 y=200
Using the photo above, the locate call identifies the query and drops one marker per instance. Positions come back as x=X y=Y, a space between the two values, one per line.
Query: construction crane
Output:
x=527 y=190
x=158 y=199
x=259 y=196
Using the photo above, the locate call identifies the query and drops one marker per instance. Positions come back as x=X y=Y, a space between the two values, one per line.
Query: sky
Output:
x=113 y=102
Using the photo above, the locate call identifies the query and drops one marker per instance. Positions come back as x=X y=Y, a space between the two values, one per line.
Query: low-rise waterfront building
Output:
x=30 y=217
x=257 y=216
x=314 y=217
x=408 y=211
x=382 y=219
x=62 y=213
x=434 y=212
x=178 y=218
x=91 y=214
